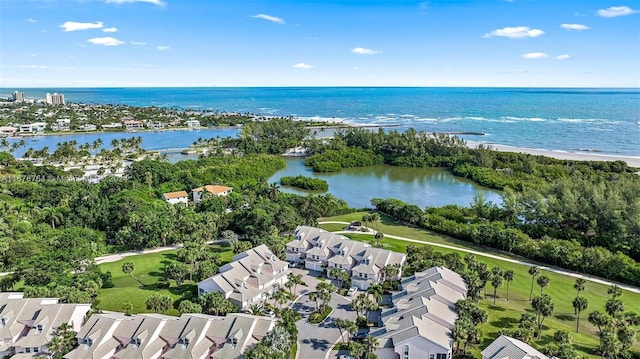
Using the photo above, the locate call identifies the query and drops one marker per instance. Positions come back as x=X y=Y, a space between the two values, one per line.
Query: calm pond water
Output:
x=424 y=187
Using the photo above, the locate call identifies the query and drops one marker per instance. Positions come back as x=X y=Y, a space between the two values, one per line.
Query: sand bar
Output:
x=633 y=161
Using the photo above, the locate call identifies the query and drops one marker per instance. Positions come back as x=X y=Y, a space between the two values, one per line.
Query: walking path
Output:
x=493 y=256
x=109 y=258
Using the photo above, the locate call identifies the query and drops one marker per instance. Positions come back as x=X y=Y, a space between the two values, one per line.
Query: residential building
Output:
x=7 y=131
x=63 y=124
x=112 y=126
x=18 y=96
x=157 y=336
x=27 y=325
x=420 y=322
x=88 y=127
x=319 y=249
x=215 y=190
x=505 y=347
x=192 y=123
x=55 y=99
x=33 y=127
x=156 y=125
x=132 y=124
x=248 y=278
x=176 y=197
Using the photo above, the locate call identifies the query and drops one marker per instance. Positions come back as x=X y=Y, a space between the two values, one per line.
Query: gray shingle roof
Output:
x=505 y=347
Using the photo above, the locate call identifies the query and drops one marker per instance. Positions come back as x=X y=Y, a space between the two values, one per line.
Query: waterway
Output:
x=424 y=187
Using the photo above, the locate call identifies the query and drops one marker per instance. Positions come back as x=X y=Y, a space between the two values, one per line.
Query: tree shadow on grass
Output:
x=565 y=317
x=169 y=256
x=497 y=308
x=505 y=322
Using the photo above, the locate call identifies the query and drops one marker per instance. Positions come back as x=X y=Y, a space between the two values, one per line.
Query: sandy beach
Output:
x=633 y=161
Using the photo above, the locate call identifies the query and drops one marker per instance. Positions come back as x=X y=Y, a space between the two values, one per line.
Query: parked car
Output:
x=292 y=264
x=345 y=356
x=352 y=291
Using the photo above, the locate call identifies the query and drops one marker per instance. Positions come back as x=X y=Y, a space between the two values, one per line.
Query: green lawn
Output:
x=505 y=314
x=148 y=269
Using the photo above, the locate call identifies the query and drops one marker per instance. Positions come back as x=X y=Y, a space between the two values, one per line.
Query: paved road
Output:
x=510 y=260
x=316 y=340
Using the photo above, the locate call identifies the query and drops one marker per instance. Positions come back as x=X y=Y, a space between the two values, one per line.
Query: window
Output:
x=405 y=354
x=27 y=350
x=432 y=356
x=441 y=356
x=36 y=350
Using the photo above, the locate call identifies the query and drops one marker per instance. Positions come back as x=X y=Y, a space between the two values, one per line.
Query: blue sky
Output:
x=539 y=43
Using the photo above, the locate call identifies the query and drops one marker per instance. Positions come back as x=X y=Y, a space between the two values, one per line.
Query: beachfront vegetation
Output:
x=309 y=183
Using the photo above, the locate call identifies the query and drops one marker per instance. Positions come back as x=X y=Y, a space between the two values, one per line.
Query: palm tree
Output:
x=153 y=302
x=508 y=276
x=543 y=281
x=614 y=306
x=356 y=349
x=53 y=215
x=127 y=307
x=128 y=267
x=255 y=309
x=296 y=279
x=615 y=291
x=579 y=304
x=376 y=291
x=370 y=343
x=543 y=306
x=391 y=271
x=279 y=296
x=341 y=324
x=496 y=281
x=579 y=286
x=534 y=272
x=340 y=275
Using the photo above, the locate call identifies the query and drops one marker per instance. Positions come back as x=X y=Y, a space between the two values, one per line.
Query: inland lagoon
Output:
x=423 y=187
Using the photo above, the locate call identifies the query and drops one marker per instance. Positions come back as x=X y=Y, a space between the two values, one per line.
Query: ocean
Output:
x=602 y=121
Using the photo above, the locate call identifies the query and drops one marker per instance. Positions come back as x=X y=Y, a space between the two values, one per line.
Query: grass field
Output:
x=148 y=269
x=506 y=314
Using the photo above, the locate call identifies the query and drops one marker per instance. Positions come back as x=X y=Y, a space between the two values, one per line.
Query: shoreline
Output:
x=632 y=161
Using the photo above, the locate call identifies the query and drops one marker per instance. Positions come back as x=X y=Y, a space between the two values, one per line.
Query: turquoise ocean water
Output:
x=604 y=121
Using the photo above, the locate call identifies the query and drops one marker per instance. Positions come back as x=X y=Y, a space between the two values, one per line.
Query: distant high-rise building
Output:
x=18 y=96
x=55 y=99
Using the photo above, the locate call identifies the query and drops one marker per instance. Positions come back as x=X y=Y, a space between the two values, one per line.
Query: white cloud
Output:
x=534 y=55
x=137 y=43
x=616 y=11
x=31 y=20
x=105 y=41
x=75 y=26
x=563 y=57
x=154 y=2
x=33 y=67
x=164 y=48
x=303 y=66
x=110 y=29
x=275 y=19
x=574 y=27
x=363 y=51
x=517 y=32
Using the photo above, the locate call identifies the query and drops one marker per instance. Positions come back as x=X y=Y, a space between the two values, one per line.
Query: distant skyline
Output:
x=228 y=43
